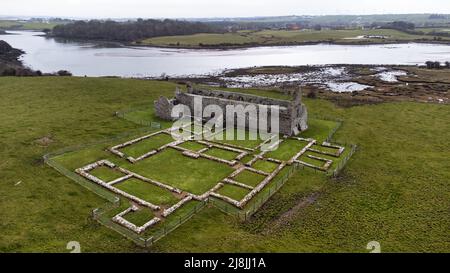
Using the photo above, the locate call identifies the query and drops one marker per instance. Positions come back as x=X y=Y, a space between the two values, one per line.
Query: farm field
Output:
x=393 y=190
x=285 y=37
x=25 y=25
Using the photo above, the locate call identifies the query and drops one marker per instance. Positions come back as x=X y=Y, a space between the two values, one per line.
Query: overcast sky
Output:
x=214 y=8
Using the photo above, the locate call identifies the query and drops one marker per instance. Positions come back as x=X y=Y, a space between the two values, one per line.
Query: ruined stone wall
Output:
x=292 y=114
x=284 y=114
x=235 y=96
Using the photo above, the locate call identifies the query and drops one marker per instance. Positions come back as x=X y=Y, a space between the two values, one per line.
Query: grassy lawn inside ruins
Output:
x=239 y=138
x=393 y=190
x=287 y=149
x=249 y=178
x=227 y=155
x=234 y=192
x=148 y=192
x=106 y=174
x=191 y=145
x=171 y=167
x=140 y=217
x=266 y=166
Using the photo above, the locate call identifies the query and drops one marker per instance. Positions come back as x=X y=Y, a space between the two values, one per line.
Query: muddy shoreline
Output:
x=231 y=46
x=326 y=42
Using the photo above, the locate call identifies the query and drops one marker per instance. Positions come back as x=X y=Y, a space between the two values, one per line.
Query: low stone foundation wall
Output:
x=123 y=222
x=186 y=197
x=172 y=209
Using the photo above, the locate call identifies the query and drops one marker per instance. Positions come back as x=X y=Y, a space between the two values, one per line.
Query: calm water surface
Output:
x=93 y=59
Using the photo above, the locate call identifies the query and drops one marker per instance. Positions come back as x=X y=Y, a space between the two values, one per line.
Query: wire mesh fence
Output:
x=335 y=172
x=105 y=213
x=80 y=180
x=259 y=200
x=343 y=162
x=339 y=124
x=173 y=224
x=129 y=116
x=104 y=216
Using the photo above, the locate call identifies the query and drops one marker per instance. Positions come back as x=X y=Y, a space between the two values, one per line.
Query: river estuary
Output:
x=95 y=59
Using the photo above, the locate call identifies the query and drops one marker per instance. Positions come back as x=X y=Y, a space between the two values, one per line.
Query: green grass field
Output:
x=393 y=190
x=25 y=25
x=280 y=37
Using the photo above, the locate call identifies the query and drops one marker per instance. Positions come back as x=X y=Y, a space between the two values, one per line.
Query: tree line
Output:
x=436 y=65
x=130 y=30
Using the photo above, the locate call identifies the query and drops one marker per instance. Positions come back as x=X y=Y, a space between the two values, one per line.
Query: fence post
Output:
x=143 y=241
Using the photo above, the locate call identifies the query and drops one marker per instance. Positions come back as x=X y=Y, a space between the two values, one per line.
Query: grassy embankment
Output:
x=25 y=25
x=394 y=190
x=283 y=37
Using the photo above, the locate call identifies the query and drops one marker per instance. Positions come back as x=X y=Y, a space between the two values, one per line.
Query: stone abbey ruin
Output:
x=160 y=179
x=162 y=213
x=293 y=115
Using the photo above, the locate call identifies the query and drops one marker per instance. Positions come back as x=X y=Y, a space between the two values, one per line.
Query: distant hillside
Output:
x=419 y=20
x=31 y=24
x=131 y=30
